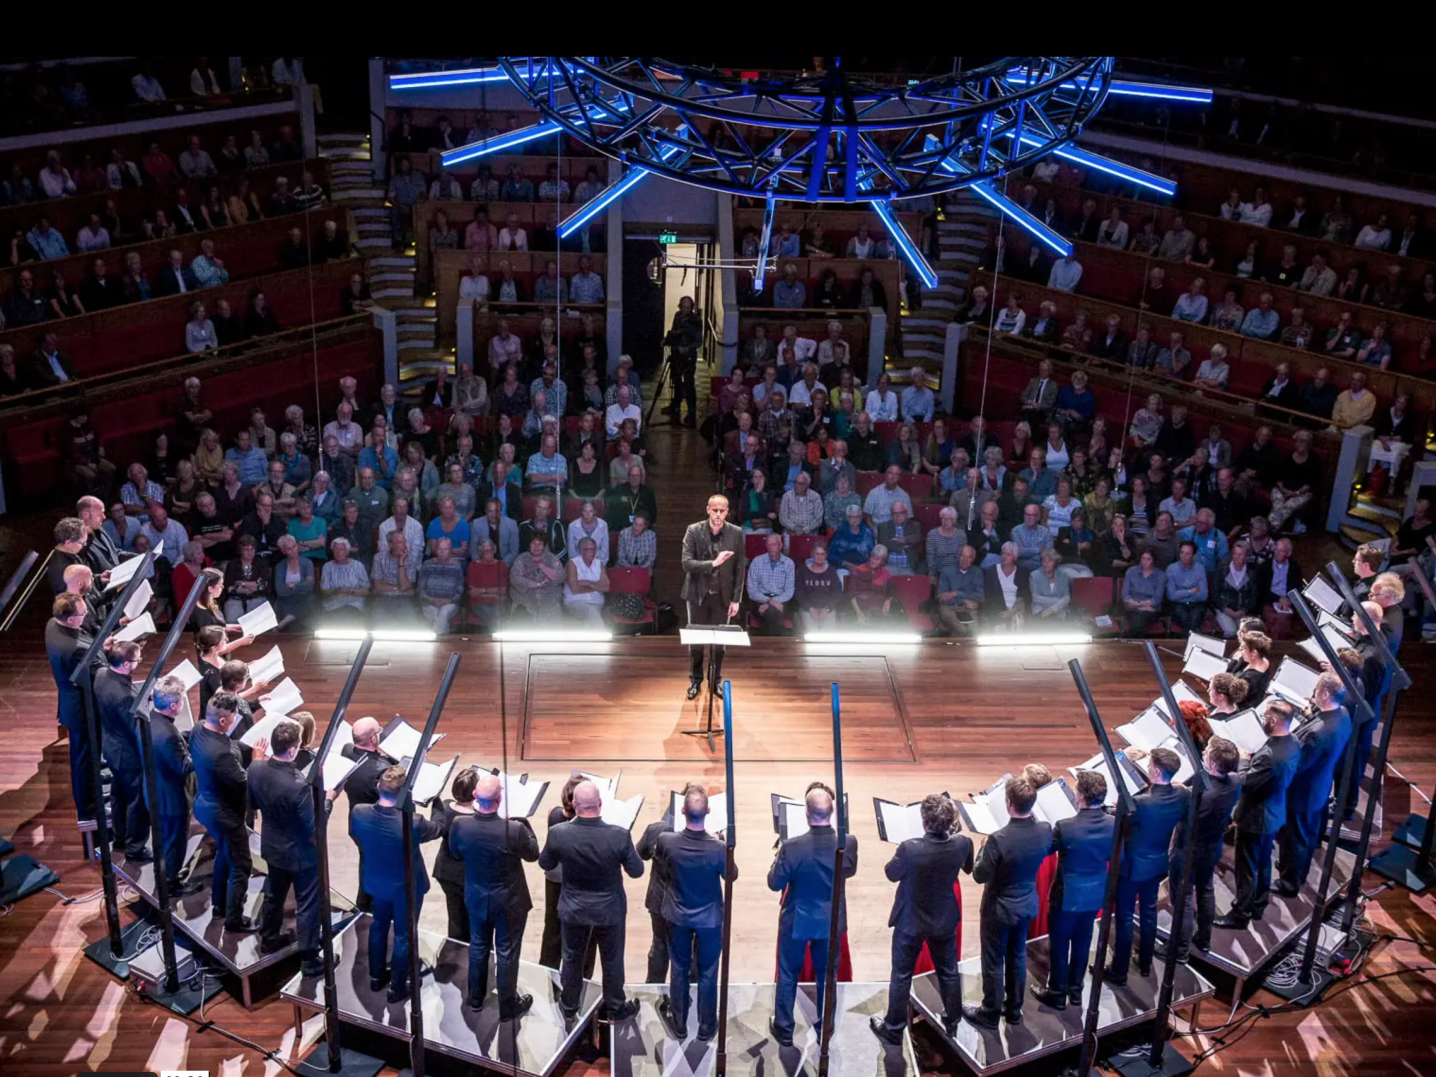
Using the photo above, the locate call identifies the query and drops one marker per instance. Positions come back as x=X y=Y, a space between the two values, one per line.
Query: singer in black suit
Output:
x=1144 y=864
x=655 y=898
x=593 y=854
x=1323 y=746
x=120 y=745
x=804 y=866
x=174 y=777
x=1008 y=867
x=1083 y=844
x=286 y=841
x=362 y=785
x=695 y=863
x=221 y=805
x=1260 y=812
x=493 y=851
x=714 y=564
x=1214 y=814
x=66 y=642
x=1372 y=677
x=925 y=910
x=378 y=830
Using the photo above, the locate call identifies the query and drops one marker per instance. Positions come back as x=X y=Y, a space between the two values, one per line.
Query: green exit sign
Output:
x=667 y=237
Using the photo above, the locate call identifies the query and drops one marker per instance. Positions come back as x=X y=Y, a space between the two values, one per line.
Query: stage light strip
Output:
x=465 y=76
x=914 y=257
x=868 y=638
x=1195 y=95
x=482 y=148
x=555 y=635
x=385 y=635
x=1019 y=216
x=1138 y=176
x=1033 y=639
x=636 y=174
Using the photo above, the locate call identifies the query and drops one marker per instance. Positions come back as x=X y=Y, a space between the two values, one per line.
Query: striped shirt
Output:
x=942 y=551
x=351 y=574
x=769 y=579
x=637 y=551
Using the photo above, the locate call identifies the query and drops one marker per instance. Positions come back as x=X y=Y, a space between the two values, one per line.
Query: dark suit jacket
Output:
x=173 y=768
x=658 y=878
x=993 y=603
x=1083 y=844
x=219 y=775
x=379 y=832
x=66 y=648
x=166 y=284
x=593 y=855
x=699 y=550
x=1117 y=349
x=1323 y=740
x=114 y=706
x=1294 y=579
x=493 y=851
x=1159 y=810
x=695 y=863
x=1214 y=815
x=1286 y=397
x=514 y=509
x=42 y=375
x=925 y=870
x=362 y=786
x=1007 y=866
x=805 y=866
x=286 y=809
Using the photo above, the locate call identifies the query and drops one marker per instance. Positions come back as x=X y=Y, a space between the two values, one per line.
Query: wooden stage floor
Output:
x=939 y=716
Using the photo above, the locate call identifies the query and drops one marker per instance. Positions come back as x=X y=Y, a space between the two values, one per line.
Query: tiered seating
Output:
x=531 y=216
x=453 y=265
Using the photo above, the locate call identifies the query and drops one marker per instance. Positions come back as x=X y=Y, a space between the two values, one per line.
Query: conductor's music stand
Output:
x=711 y=636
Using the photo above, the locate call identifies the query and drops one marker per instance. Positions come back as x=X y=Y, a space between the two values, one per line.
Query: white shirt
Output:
x=576 y=533
x=1373 y=240
x=1008 y=584
x=515 y=240
x=615 y=414
x=1253 y=214
x=1008 y=322
x=801 y=394
x=147 y=88
x=1113 y=235
x=882 y=407
x=471 y=287
x=801 y=347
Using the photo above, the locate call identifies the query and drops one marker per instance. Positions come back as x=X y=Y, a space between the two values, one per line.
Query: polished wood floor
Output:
x=937 y=717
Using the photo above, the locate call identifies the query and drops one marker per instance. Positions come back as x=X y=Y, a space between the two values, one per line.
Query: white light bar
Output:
x=869 y=638
x=553 y=635
x=1033 y=639
x=384 y=635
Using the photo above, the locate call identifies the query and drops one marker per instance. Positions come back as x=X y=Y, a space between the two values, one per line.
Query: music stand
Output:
x=711 y=636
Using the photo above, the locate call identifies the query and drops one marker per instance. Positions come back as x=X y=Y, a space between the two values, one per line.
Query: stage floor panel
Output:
x=591 y=707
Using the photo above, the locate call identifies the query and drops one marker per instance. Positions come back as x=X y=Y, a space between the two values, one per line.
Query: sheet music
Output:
x=1346 y=628
x=1184 y=771
x=121 y=573
x=258 y=621
x=1198 y=642
x=1148 y=730
x=1099 y=764
x=898 y=822
x=283 y=699
x=717 y=812
x=1243 y=729
x=267 y=668
x=978 y=817
x=188 y=675
x=1204 y=665
x=261 y=730
x=336 y=767
x=791 y=818
x=607 y=787
x=521 y=793
x=1331 y=635
x=431 y=780
x=139 y=601
x=1294 y=682
x=1054 y=802
x=401 y=740
x=143 y=625
x=622 y=812
x=1182 y=690
x=1322 y=595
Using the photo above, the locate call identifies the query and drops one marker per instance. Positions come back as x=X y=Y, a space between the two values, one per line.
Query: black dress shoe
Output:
x=706 y=1034
x=243 y=926
x=1013 y=1017
x=1231 y=922
x=474 y=1002
x=975 y=1015
x=276 y=942
x=139 y=856
x=623 y=1011
x=376 y=983
x=397 y=993
x=522 y=1005
x=179 y=889
x=1049 y=998
x=779 y=1038
x=675 y=1029
x=882 y=1032
x=1113 y=977
x=718 y=690
x=310 y=970
x=1204 y=945
x=1076 y=999
x=949 y=1026
x=1286 y=889
x=693 y=690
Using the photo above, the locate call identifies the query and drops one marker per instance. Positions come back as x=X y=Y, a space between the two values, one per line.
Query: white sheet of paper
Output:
x=139 y=601
x=607 y=787
x=1324 y=596
x=1182 y=690
x=262 y=730
x=267 y=668
x=1198 y=642
x=121 y=573
x=258 y=621
x=1294 y=682
x=717 y=818
x=795 y=818
x=336 y=770
x=1243 y=729
x=1185 y=770
x=1099 y=764
x=622 y=812
x=1204 y=665
x=187 y=673
x=899 y=821
x=1148 y=730
x=143 y=625
x=521 y=795
x=432 y=779
x=978 y=817
x=1331 y=635
x=283 y=699
x=1053 y=804
x=402 y=741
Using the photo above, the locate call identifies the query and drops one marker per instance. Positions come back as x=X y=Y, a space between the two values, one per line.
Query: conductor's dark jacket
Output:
x=114 y=704
x=493 y=851
x=1083 y=843
x=594 y=854
x=925 y=870
x=1159 y=810
x=805 y=866
x=695 y=862
x=1008 y=867
x=174 y=770
x=223 y=786
x=699 y=551
x=379 y=832
x=1266 y=776
x=286 y=807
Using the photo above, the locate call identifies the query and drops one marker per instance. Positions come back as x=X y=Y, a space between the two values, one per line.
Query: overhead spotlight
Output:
x=1033 y=639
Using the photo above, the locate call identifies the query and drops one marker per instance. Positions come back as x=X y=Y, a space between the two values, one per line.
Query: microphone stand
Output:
x=170 y=994
x=411 y=889
x=1123 y=816
x=830 y=974
x=83 y=678
x=1311 y=982
x=720 y=1062
x=1396 y=680
x=341 y=1060
x=26 y=563
x=1158 y=1058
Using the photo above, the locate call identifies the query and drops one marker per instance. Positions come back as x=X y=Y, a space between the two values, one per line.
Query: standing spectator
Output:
x=406 y=190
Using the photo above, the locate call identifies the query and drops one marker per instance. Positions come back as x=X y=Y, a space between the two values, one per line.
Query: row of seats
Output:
x=837 y=227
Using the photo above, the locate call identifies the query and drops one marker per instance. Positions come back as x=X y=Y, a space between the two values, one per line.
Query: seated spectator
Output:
x=440 y=586
x=1145 y=242
x=1174 y=359
x=1111 y=344
x=1192 y=304
x=1257 y=211
x=1144 y=588
x=199 y=333
x=1238 y=593
x=1374 y=237
x=310 y=195
x=488 y=579
x=281 y=200
x=902 y=537
x=637 y=544
x=589 y=525
x=1011 y=318
x=800 y=512
x=1066 y=273
x=1355 y=405
x=1030 y=538
x=536 y=581
x=1376 y=350
x=1005 y=590
x=1211 y=544
x=1261 y=321
x=586 y=286
x=259 y=319
x=1187 y=589
x=771 y=584
x=1156 y=295
x=790 y=293
x=1214 y=372
x=550 y=288
x=1051 y=590
x=975 y=310
x=1177 y=241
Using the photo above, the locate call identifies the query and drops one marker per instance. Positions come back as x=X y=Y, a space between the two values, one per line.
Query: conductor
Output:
x=493 y=851
x=925 y=910
x=804 y=865
x=713 y=565
x=696 y=863
x=593 y=854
